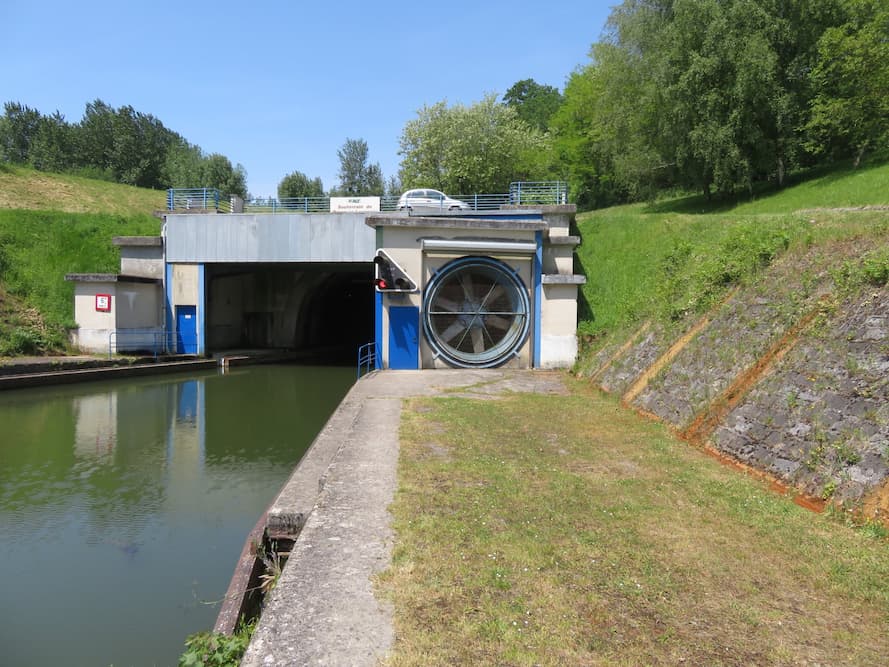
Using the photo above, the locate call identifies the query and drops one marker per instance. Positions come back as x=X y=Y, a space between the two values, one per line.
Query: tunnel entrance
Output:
x=323 y=310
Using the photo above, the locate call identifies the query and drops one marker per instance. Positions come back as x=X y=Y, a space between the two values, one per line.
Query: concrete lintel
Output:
x=560 y=279
x=563 y=240
x=109 y=278
x=137 y=241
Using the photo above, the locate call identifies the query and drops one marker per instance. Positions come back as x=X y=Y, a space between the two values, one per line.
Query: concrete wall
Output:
x=558 y=337
x=141 y=256
x=184 y=288
x=134 y=306
x=328 y=237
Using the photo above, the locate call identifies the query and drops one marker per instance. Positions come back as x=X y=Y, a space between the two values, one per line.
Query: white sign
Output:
x=354 y=204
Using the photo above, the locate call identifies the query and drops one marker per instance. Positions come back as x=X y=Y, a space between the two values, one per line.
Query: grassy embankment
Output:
x=51 y=225
x=677 y=257
x=565 y=530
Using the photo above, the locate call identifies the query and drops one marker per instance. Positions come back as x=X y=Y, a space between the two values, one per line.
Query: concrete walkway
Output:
x=323 y=610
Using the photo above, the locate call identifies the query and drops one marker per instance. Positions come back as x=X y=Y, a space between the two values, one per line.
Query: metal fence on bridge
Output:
x=525 y=193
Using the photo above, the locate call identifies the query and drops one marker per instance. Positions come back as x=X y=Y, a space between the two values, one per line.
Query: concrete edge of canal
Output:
x=335 y=505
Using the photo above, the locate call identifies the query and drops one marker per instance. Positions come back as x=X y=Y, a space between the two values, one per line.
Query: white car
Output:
x=430 y=199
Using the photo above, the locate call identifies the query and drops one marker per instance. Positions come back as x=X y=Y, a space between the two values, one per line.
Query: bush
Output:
x=213 y=648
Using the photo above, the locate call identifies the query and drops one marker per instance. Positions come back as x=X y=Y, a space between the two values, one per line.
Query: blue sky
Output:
x=279 y=86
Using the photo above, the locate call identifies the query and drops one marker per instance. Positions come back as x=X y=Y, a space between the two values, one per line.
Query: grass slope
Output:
x=673 y=258
x=25 y=188
x=72 y=235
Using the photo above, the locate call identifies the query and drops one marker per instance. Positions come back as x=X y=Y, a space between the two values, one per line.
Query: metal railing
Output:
x=198 y=199
x=367 y=359
x=288 y=205
x=207 y=199
x=151 y=341
x=538 y=192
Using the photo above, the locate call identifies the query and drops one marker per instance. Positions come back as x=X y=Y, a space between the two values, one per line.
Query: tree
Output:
x=297 y=184
x=95 y=137
x=138 y=148
x=183 y=165
x=217 y=172
x=17 y=132
x=706 y=94
x=356 y=176
x=53 y=146
x=481 y=148
x=534 y=103
x=850 y=107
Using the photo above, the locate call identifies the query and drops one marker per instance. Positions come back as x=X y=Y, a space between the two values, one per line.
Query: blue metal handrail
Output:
x=368 y=358
x=198 y=199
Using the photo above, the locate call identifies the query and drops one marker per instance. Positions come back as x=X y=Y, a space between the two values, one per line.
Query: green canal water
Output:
x=124 y=505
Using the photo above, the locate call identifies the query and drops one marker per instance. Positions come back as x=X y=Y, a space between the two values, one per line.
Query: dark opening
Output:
x=320 y=311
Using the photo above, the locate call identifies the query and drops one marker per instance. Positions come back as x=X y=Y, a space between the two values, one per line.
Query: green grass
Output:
x=551 y=530
x=677 y=257
x=25 y=188
x=37 y=250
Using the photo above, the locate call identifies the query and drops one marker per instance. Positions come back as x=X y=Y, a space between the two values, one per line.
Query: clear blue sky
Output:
x=279 y=86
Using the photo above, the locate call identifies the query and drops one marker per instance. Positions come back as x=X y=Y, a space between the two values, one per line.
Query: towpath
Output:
x=323 y=610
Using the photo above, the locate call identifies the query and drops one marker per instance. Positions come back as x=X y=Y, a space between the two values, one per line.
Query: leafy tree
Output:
x=53 y=146
x=95 y=137
x=356 y=176
x=534 y=103
x=218 y=172
x=481 y=148
x=183 y=164
x=706 y=94
x=297 y=184
x=17 y=132
x=138 y=148
x=850 y=106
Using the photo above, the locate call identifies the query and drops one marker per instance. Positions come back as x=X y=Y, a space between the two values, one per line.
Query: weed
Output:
x=213 y=648
x=846 y=452
x=829 y=489
x=274 y=565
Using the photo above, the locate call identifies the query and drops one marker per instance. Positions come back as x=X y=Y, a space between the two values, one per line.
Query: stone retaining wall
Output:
x=785 y=376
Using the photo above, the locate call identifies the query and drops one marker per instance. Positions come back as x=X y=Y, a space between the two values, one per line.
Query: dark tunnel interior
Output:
x=321 y=311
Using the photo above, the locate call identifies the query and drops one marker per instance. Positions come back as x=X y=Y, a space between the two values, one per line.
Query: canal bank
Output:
x=335 y=506
x=21 y=372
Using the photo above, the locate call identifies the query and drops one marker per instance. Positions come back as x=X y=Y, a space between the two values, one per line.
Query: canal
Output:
x=124 y=505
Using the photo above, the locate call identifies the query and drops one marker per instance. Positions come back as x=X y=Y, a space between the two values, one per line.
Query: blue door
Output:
x=404 y=341
x=186 y=330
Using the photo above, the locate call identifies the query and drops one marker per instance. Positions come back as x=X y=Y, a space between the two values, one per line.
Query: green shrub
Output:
x=213 y=648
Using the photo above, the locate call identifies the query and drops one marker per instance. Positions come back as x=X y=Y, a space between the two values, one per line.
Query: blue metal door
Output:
x=186 y=330
x=404 y=341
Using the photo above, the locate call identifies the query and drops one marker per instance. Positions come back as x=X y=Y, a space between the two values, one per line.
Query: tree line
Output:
x=709 y=96
x=119 y=145
x=713 y=96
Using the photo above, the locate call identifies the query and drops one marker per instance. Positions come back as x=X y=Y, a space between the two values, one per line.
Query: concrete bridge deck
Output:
x=323 y=610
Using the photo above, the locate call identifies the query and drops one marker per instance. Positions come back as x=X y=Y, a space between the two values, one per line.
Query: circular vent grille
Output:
x=475 y=312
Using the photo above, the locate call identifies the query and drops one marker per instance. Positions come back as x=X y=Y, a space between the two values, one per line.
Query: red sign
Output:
x=103 y=302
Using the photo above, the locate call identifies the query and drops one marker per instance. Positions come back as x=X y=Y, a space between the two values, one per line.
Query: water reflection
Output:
x=124 y=505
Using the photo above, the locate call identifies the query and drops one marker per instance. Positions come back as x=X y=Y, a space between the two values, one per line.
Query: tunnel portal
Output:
x=318 y=309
